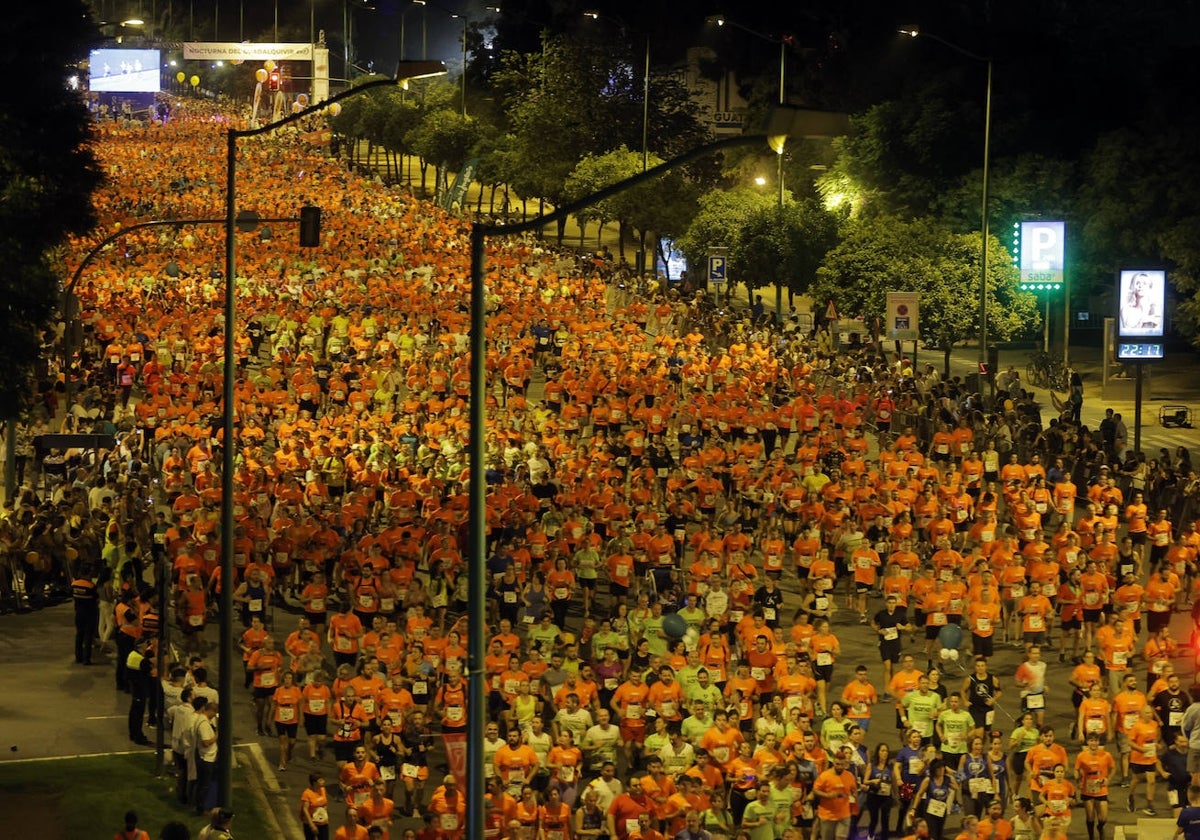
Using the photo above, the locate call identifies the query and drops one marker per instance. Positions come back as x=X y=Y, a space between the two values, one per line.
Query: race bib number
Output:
x=983 y=625
x=343 y=644
x=196 y=620
x=316 y=706
x=1036 y=622
x=286 y=715
x=890 y=634
x=977 y=786
x=316 y=605
x=454 y=713
x=769 y=613
x=935 y=808
x=1035 y=701
x=448 y=822
x=510 y=597
x=408 y=771
x=268 y=679
x=387 y=773
x=824 y=659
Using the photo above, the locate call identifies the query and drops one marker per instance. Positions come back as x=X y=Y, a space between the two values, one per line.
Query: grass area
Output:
x=88 y=797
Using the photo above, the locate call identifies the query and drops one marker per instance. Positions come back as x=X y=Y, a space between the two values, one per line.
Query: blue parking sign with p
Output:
x=716 y=269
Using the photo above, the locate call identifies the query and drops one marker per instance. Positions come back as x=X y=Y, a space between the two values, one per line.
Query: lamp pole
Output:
x=721 y=20
x=914 y=31
x=405 y=70
x=463 y=18
x=404 y=15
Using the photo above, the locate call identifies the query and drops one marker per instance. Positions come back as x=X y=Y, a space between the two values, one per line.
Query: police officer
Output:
x=87 y=613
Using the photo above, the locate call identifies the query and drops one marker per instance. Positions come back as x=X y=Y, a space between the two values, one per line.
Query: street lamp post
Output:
x=721 y=20
x=914 y=31
x=405 y=70
x=785 y=123
x=403 y=15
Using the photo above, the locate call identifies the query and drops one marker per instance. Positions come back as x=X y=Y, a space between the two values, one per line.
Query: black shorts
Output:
x=932 y=630
x=344 y=750
x=862 y=588
x=288 y=729
x=1092 y=616
x=1156 y=621
x=263 y=693
x=822 y=673
x=983 y=645
x=980 y=716
x=588 y=584
x=316 y=724
x=1035 y=638
x=1071 y=624
x=1099 y=798
x=889 y=651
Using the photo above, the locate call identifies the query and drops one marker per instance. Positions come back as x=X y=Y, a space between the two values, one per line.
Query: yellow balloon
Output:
x=180 y=76
x=269 y=64
x=303 y=100
x=1008 y=405
x=296 y=108
x=335 y=109
x=260 y=74
x=236 y=61
x=195 y=80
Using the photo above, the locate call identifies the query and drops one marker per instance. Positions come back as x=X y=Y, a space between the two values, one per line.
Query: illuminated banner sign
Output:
x=902 y=316
x=1142 y=295
x=222 y=51
x=1042 y=255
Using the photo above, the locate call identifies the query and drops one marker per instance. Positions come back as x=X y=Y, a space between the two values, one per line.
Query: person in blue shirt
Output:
x=1187 y=824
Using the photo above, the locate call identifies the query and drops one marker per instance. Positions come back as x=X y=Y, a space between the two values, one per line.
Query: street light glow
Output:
x=911 y=30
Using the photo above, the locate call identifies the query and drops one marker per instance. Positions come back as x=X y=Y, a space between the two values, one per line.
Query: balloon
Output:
x=260 y=74
x=296 y=108
x=945 y=654
x=1008 y=405
x=195 y=81
x=236 y=61
x=674 y=625
x=950 y=636
x=335 y=109
x=269 y=64
x=303 y=100
x=954 y=654
x=180 y=76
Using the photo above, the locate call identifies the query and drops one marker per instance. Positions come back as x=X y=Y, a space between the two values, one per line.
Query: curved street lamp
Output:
x=405 y=71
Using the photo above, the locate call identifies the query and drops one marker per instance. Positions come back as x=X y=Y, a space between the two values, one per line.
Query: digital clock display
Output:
x=1139 y=350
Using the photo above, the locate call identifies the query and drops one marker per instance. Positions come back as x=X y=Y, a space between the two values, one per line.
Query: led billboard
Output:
x=124 y=71
x=1141 y=300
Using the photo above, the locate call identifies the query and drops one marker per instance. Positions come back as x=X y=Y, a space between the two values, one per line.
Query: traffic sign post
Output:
x=718 y=272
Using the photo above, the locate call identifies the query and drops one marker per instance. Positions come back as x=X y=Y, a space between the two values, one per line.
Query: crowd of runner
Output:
x=682 y=533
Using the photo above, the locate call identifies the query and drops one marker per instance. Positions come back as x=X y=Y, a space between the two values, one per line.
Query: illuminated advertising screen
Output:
x=124 y=71
x=1043 y=254
x=1141 y=299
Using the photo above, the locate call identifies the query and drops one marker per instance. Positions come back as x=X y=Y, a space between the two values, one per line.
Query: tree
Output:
x=718 y=221
x=783 y=246
x=445 y=138
x=884 y=253
x=47 y=174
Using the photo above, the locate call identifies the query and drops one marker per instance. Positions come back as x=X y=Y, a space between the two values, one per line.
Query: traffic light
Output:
x=273 y=80
x=310 y=226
